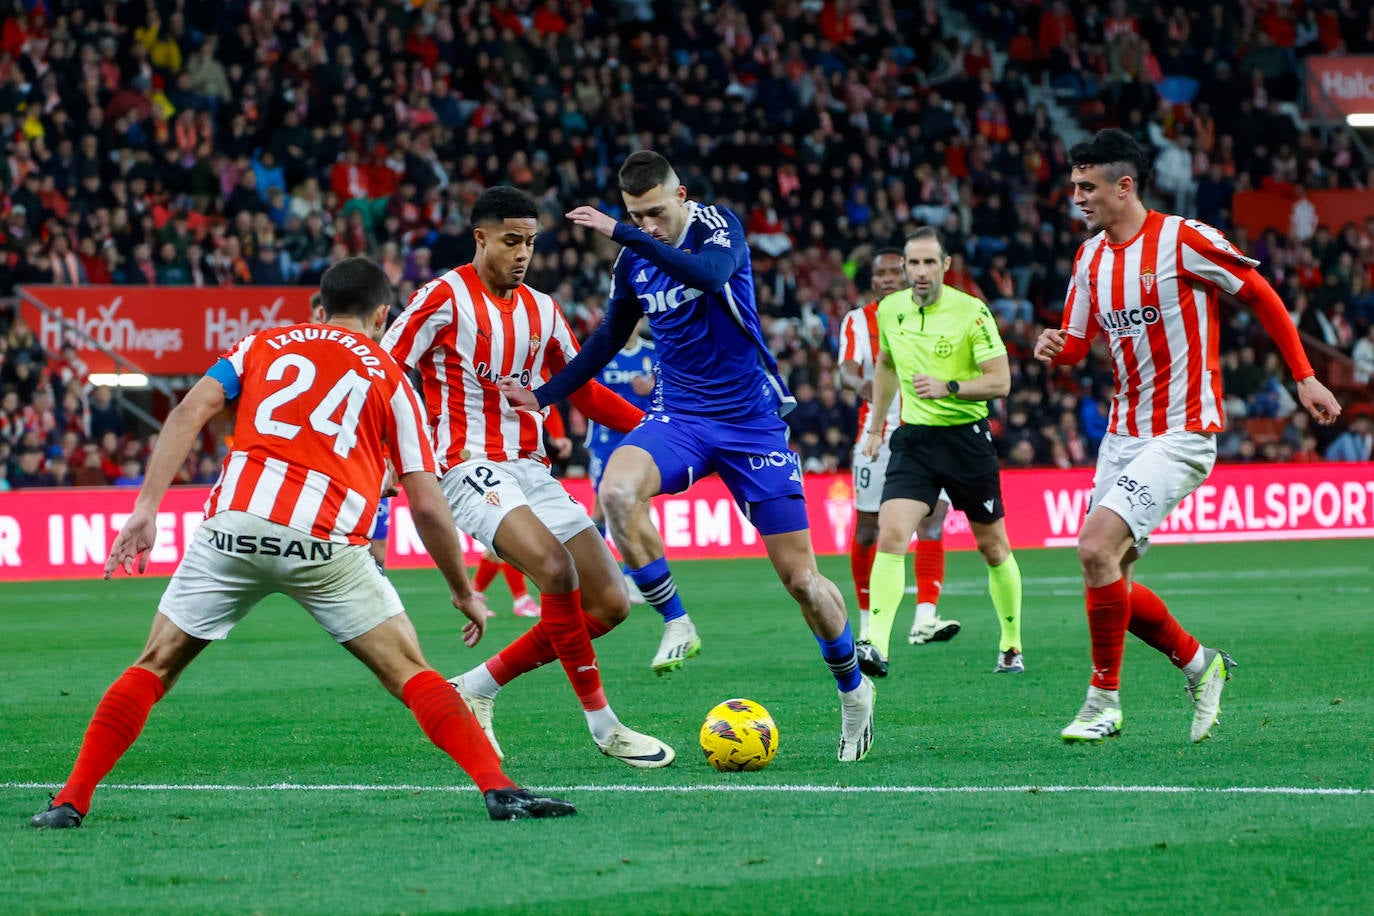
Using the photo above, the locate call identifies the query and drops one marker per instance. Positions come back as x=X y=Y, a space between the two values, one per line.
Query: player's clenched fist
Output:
x=520 y=397
x=1050 y=343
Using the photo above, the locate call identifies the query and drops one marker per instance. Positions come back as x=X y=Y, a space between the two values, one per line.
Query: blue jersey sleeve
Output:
x=223 y=372
x=622 y=314
x=723 y=251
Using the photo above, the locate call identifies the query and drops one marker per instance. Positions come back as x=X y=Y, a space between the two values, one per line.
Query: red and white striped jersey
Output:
x=463 y=339
x=320 y=410
x=859 y=342
x=1155 y=297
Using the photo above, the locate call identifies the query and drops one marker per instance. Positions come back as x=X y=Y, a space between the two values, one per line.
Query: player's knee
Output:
x=1097 y=558
x=619 y=499
x=893 y=539
x=610 y=604
x=803 y=584
x=554 y=572
x=994 y=550
x=866 y=534
x=930 y=529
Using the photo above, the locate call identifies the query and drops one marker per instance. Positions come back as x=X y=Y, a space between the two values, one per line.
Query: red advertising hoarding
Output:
x=1300 y=214
x=57 y=534
x=163 y=330
x=1341 y=85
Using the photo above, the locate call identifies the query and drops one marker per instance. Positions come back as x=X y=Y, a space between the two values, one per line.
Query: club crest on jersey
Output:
x=535 y=341
x=1147 y=280
x=492 y=497
x=944 y=349
x=720 y=237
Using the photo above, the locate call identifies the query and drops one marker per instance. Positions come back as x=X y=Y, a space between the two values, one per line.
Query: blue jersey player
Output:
x=630 y=374
x=717 y=409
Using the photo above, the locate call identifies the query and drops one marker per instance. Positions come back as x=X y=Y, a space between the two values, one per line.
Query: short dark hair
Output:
x=1118 y=151
x=356 y=287
x=503 y=202
x=643 y=171
x=888 y=249
x=926 y=233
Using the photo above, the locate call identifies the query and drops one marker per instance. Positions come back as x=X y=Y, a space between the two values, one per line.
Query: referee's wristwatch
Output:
x=953 y=387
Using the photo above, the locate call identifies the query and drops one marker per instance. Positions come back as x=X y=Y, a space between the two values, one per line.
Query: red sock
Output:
x=595 y=628
x=527 y=652
x=533 y=649
x=563 y=620
x=861 y=566
x=1152 y=622
x=486 y=571
x=1109 y=612
x=445 y=719
x=930 y=571
x=119 y=718
x=515 y=580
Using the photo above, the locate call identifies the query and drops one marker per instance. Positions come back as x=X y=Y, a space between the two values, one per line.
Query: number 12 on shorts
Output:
x=481 y=479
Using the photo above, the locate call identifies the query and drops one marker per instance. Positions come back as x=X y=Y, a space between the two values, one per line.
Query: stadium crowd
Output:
x=256 y=142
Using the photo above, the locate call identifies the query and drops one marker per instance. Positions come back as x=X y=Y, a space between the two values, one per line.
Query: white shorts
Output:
x=1143 y=480
x=236 y=559
x=482 y=493
x=869 y=476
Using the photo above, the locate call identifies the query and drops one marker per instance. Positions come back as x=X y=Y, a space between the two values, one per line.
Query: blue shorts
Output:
x=381 y=523
x=751 y=457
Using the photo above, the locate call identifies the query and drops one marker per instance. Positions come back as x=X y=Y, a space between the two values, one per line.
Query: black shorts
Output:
x=961 y=460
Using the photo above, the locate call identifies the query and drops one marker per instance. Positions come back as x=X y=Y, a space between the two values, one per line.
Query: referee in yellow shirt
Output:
x=940 y=349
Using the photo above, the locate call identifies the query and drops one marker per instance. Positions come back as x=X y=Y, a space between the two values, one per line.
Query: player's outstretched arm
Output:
x=174 y=443
x=1269 y=309
x=622 y=315
x=434 y=523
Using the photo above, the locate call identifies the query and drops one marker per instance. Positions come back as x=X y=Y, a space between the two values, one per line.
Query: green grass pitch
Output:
x=279 y=778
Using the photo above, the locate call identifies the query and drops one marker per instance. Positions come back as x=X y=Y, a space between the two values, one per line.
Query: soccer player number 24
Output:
x=350 y=391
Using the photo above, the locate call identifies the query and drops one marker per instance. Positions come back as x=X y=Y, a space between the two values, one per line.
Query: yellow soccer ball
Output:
x=739 y=735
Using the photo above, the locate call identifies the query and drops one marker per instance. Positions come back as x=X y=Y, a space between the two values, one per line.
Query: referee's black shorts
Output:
x=961 y=460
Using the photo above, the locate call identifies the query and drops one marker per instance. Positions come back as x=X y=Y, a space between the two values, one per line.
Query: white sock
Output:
x=925 y=612
x=480 y=682
x=865 y=618
x=1196 y=665
x=1109 y=696
x=602 y=722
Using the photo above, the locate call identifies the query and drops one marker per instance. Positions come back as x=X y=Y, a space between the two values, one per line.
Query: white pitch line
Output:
x=729 y=787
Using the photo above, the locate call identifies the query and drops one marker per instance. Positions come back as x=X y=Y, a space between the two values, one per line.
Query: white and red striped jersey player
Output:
x=859 y=343
x=1155 y=297
x=463 y=339
x=320 y=410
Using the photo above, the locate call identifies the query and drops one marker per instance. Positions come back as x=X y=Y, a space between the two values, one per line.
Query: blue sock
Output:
x=656 y=584
x=839 y=655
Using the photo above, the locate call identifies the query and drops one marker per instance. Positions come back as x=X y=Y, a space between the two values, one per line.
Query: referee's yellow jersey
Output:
x=946 y=339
